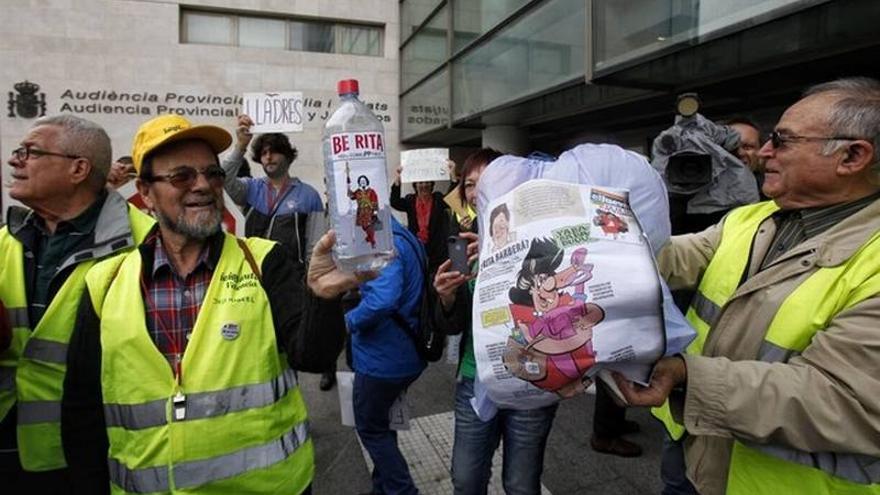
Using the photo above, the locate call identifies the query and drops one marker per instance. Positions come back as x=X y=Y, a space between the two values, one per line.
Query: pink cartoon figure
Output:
x=553 y=320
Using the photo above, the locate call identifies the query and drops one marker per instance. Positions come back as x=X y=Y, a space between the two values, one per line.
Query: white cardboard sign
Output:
x=398 y=416
x=274 y=112
x=428 y=164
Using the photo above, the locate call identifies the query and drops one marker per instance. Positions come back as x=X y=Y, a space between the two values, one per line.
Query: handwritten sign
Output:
x=274 y=112
x=428 y=164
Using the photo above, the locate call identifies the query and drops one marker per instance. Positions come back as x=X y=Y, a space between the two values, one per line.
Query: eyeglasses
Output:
x=25 y=152
x=185 y=177
x=777 y=139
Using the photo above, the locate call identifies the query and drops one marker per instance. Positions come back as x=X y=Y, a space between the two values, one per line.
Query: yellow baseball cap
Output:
x=170 y=128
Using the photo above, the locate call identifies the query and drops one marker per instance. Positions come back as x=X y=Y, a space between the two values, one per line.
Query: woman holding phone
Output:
x=524 y=432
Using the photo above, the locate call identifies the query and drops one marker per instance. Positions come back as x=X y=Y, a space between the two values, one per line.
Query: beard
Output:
x=203 y=226
x=276 y=171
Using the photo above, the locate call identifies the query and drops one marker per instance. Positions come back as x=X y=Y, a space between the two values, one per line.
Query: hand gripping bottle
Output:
x=357 y=184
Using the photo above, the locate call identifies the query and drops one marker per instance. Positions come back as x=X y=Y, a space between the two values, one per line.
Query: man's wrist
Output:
x=681 y=374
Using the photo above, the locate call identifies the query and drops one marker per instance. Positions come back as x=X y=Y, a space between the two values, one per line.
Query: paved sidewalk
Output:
x=570 y=466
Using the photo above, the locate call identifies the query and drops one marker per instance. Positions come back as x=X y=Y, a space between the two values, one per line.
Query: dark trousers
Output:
x=14 y=480
x=608 y=417
x=372 y=398
x=673 y=471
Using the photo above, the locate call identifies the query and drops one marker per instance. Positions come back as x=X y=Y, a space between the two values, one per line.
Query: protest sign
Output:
x=428 y=164
x=566 y=286
x=274 y=112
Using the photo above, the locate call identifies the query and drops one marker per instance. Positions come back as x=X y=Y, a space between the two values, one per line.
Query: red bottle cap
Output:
x=347 y=86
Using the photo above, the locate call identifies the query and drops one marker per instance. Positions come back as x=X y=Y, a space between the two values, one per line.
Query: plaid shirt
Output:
x=173 y=302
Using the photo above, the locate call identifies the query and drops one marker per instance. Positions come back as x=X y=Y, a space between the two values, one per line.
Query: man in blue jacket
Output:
x=385 y=358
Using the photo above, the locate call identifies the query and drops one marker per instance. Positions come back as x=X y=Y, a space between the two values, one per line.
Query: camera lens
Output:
x=689 y=172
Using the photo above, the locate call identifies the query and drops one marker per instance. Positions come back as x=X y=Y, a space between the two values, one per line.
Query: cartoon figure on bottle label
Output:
x=367 y=217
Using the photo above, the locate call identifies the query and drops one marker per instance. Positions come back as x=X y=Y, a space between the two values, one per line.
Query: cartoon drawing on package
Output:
x=499 y=227
x=367 y=201
x=551 y=341
x=610 y=223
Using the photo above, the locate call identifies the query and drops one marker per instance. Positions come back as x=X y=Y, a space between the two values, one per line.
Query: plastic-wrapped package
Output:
x=616 y=187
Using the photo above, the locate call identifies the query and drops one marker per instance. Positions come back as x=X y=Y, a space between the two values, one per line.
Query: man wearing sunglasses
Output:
x=780 y=393
x=184 y=343
x=59 y=173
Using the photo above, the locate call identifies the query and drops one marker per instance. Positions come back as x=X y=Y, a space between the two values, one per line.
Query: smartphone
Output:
x=458 y=254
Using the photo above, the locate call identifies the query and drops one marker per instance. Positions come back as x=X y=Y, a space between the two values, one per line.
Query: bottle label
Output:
x=350 y=145
x=361 y=192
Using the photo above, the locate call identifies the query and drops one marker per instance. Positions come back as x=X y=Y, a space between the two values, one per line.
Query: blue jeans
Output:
x=525 y=437
x=372 y=399
x=673 y=471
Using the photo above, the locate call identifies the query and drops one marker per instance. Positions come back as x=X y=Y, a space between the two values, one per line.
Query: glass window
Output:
x=426 y=51
x=413 y=13
x=426 y=107
x=359 y=40
x=472 y=18
x=312 y=36
x=633 y=30
x=543 y=49
x=262 y=33
x=284 y=33
x=212 y=29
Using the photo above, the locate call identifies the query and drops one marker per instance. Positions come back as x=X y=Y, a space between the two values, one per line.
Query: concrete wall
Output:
x=83 y=53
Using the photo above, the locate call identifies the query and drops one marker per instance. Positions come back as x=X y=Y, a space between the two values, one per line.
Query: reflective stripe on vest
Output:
x=48 y=351
x=39 y=411
x=772 y=353
x=201 y=472
x=719 y=282
x=202 y=405
x=18 y=317
x=231 y=432
x=7 y=379
x=705 y=309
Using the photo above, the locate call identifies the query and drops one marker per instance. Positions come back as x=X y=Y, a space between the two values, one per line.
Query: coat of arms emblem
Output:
x=28 y=103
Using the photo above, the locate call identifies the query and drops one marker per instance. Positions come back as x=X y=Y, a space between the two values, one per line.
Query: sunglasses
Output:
x=777 y=139
x=185 y=177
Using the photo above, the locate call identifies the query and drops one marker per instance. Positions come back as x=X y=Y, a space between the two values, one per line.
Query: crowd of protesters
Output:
x=158 y=354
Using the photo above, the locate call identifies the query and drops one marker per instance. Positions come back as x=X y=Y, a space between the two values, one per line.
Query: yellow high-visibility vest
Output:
x=236 y=421
x=32 y=370
x=774 y=469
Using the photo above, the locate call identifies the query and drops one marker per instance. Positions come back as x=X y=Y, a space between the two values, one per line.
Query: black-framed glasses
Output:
x=777 y=139
x=185 y=177
x=25 y=152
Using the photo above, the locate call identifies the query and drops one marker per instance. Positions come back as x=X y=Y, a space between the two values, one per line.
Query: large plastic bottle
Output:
x=357 y=184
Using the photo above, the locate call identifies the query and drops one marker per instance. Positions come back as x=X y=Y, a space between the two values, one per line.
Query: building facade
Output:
x=525 y=75
x=121 y=62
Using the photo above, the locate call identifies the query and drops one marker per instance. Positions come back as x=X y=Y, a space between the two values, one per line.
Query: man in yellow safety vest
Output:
x=59 y=172
x=780 y=392
x=181 y=382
